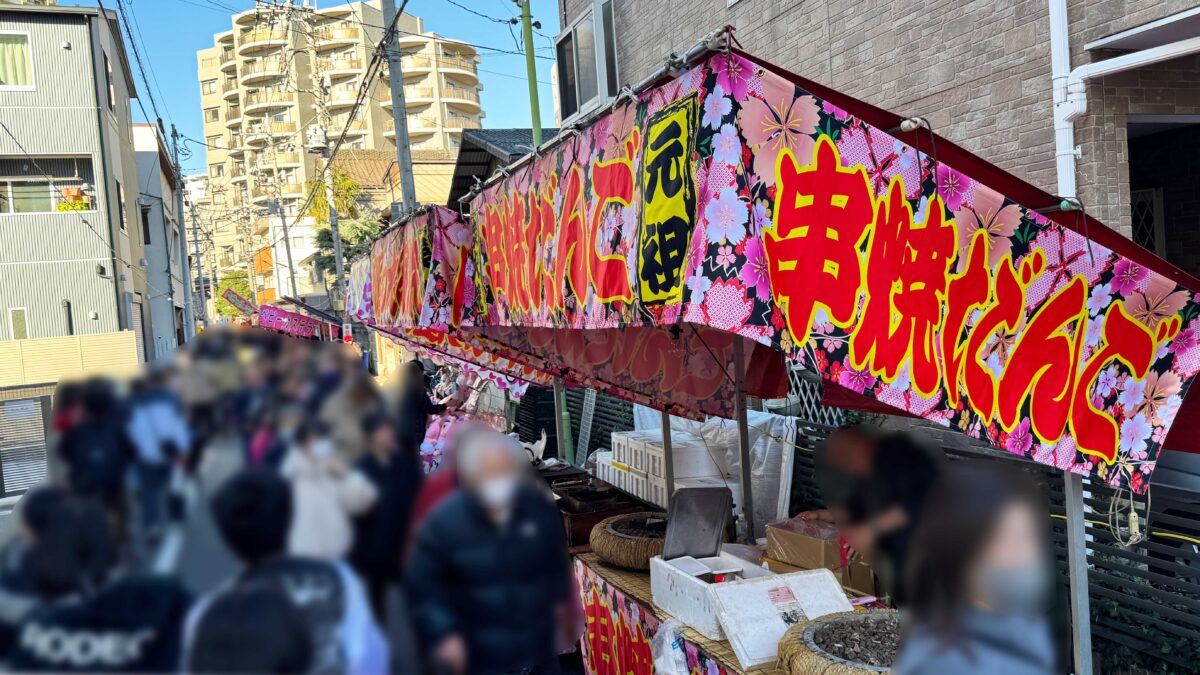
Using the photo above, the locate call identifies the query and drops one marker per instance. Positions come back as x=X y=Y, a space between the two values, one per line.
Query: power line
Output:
x=137 y=56
x=153 y=74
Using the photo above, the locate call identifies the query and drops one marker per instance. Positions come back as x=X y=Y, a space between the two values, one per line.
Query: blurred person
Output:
x=200 y=392
x=345 y=411
x=97 y=451
x=327 y=494
x=253 y=512
x=252 y=401
x=36 y=513
x=489 y=577
x=89 y=618
x=251 y=629
x=415 y=406
x=275 y=435
x=159 y=433
x=884 y=481
x=381 y=532
x=980 y=578
x=441 y=482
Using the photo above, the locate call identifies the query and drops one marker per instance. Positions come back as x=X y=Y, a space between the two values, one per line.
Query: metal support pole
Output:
x=408 y=189
x=1077 y=566
x=744 y=460
x=185 y=269
x=562 y=422
x=668 y=458
x=287 y=247
x=531 y=71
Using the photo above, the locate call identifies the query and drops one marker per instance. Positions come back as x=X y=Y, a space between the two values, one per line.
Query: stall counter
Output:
x=622 y=620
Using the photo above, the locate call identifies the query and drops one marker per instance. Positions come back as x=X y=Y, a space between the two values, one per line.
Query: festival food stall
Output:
x=726 y=218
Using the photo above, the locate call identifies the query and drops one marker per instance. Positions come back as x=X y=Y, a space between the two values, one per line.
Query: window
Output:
x=297 y=242
x=145 y=225
x=18 y=324
x=108 y=80
x=16 y=61
x=208 y=87
x=212 y=114
x=214 y=142
x=587 y=60
x=121 y=206
x=216 y=170
x=24 y=188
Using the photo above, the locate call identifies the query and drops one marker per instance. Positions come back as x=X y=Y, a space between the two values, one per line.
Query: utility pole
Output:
x=318 y=143
x=199 y=266
x=531 y=70
x=287 y=245
x=189 y=317
x=408 y=189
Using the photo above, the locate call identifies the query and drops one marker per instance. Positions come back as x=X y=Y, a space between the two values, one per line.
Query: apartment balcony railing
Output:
x=462 y=122
x=228 y=86
x=227 y=58
x=268 y=68
x=261 y=37
x=416 y=62
x=284 y=189
x=344 y=125
x=338 y=34
x=341 y=65
x=343 y=95
x=268 y=97
x=456 y=62
x=462 y=93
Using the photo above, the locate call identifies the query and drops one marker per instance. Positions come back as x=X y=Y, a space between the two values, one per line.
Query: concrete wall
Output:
x=978 y=70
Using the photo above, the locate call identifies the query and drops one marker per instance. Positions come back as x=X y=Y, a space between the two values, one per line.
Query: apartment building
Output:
x=282 y=69
x=164 y=243
x=981 y=73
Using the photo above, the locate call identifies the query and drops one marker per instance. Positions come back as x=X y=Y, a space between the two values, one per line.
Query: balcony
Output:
x=345 y=127
x=237 y=146
x=418 y=127
x=334 y=36
x=280 y=160
x=266 y=99
x=227 y=59
x=257 y=39
x=229 y=90
x=416 y=62
x=233 y=115
x=461 y=68
x=258 y=71
x=460 y=122
x=263 y=193
x=342 y=97
x=335 y=67
x=461 y=96
x=263 y=132
x=238 y=173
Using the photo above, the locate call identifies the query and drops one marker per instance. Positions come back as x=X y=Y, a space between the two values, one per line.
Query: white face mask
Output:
x=322 y=447
x=498 y=493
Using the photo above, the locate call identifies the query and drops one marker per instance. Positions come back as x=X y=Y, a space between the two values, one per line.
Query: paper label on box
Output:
x=786 y=605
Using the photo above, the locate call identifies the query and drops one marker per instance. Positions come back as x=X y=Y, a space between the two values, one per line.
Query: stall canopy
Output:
x=734 y=208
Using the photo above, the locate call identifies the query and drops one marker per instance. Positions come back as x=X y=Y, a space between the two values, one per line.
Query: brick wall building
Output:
x=979 y=71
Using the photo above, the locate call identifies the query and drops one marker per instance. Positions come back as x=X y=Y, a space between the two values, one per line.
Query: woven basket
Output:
x=624 y=550
x=800 y=655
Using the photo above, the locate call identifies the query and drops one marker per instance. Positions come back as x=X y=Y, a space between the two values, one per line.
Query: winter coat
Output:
x=991 y=644
x=157 y=428
x=498 y=586
x=96 y=453
x=381 y=532
x=415 y=409
x=325 y=496
x=344 y=419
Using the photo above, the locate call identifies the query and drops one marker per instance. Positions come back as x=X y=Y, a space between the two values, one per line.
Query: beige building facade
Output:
x=980 y=72
x=283 y=69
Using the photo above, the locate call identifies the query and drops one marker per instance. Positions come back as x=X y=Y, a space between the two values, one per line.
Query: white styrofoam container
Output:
x=692 y=459
x=689 y=599
x=604 y=465
x=755 y=613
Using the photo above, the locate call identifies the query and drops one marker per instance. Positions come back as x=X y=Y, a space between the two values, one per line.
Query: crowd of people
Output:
x=350 y=559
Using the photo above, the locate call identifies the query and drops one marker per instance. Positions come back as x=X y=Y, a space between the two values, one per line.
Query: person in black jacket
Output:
x=415 y=407
x=98 y=452
x=489 y=577
x=380 y=533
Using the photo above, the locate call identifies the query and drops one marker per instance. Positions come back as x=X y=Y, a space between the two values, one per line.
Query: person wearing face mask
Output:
x=327 y=495
x=488 y=576
x=980 y=578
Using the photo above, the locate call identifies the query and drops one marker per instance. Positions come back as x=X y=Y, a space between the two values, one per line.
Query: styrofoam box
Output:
x=604 y=466
x=689 y=599
x=755 y=613
x=692 y=459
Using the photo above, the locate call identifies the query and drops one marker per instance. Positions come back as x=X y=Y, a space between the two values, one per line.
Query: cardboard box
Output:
x=807 y=544
x=857 y=577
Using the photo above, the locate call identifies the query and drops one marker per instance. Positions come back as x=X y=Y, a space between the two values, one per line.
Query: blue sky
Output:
x=172 y=30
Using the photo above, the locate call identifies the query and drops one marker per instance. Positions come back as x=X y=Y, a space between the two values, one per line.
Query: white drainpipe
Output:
x=1070 y=86
x=1070 y=103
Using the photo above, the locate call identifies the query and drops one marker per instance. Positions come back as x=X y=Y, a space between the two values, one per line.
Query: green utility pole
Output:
x=527 y=34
